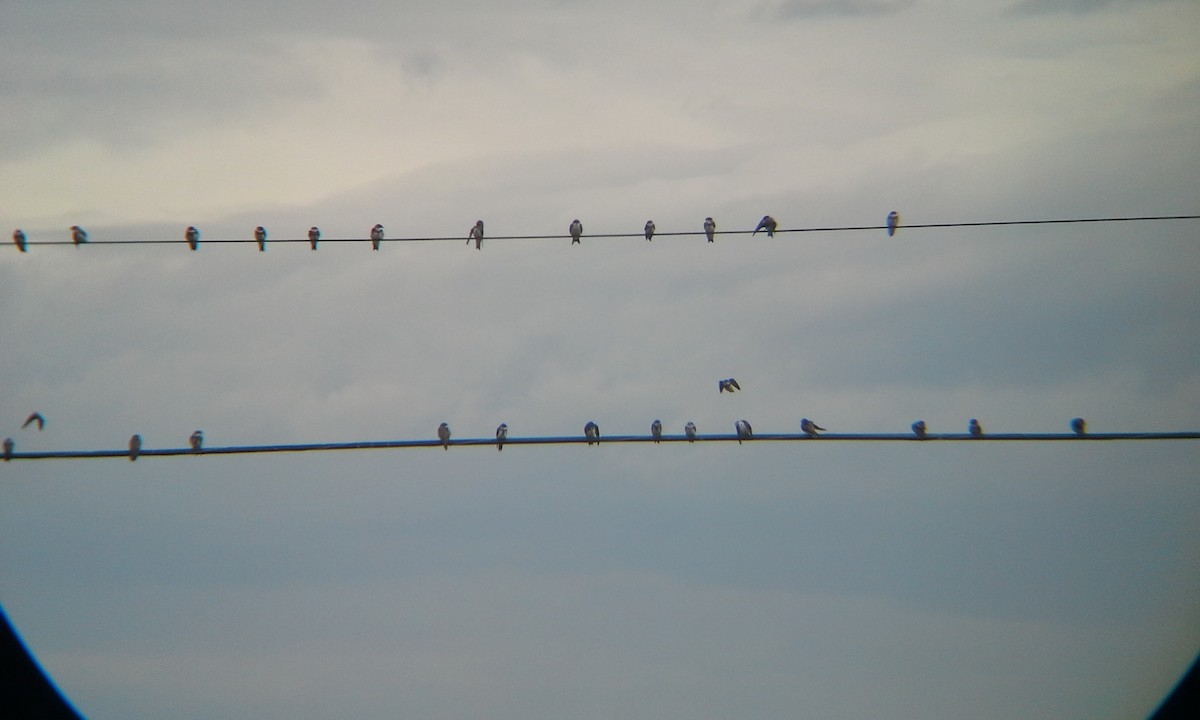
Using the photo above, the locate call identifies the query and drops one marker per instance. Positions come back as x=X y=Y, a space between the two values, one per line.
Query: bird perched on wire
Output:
x=314 y=235
x=893 y=222
x=8 y=449
x=376 y=236
x=1079 y=426
x=476 y=234
x=197 y=440
x=19 y=239
x=34 y=417
x=576 y=231
x=260 y=234
x=656 y=430
x=974 y=428
x=690 y=431
x=135 y=446
x=444 y=435
x=744 y=431
x=767 y=223
x=809 y=427
x=501 y=435
x=649 y=230
x=78 y=235
x=728 y=384
x=591 y=431
x=918 y=429
x=710 y=228
x=192 y=235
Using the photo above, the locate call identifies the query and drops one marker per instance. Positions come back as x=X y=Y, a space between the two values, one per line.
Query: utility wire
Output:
x=618 y=439
x=563 y=236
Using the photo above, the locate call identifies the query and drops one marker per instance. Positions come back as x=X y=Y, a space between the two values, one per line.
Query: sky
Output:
x=768 y=580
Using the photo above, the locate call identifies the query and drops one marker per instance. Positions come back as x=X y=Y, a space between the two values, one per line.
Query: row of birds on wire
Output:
x=191 y=236
x=591 y=431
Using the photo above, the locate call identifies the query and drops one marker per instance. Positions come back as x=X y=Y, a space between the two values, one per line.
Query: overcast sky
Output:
x=770 y=580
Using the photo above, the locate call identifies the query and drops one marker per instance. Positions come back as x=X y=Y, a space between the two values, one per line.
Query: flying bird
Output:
x=35 y=417
x=743 y=431
x=576 y=231
x=656 y=430
x=690 y=431
x=767 y=223
x=260 y=234
x=918 y=429
x=8 y=449
x=501 y=436
x=314 y=234
x=19 y=239
x=893 y=222
x=710 y=228
x=192 y=236
x=809 y=427
x=476 y=234
x=592 y=432
x=376 y=236
x=728 y=384
x=975 y=428
x=197 y=440
x=649 y=230
x=1079 y=426
x=444 y=435
x=135 y=447
x=78 y=235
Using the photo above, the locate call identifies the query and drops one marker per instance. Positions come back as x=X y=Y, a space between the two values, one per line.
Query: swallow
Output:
x=576 y=231
x=728 y=384
x=135 y=446
x=690 y=431
x=743 y=431
x=260 y=234
x=78 y=235
x=35 y=417
x=19 y=239
x=893 y=222
x=767 y=223
x=918 y=429
x=656 y=430
x=314 y=234
x=476 y=234
x=710 y=228
x=1079 y=426
x=975 y=428
x=8 y=449
x=810 y=427
x=649 y=230
x=444 y=435
x=592 y=432
x=197 y=440
x=501 y=436
x=376 y=236
x=192 y=236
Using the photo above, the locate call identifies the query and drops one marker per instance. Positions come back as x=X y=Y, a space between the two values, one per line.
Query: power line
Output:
x=615 y=439
x=26 y=242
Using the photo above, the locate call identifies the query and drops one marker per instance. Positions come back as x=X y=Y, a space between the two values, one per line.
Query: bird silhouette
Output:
x=19 y=239
x=476 y=234
x=197 y=440
x=576 y=231
x=1079 y=426
x=192 y=235
x=810 y=427
x=918 y=429
x=501 y=435
x=710 y=228
x=767 y=223
x=690 y=431
x=260 y=234
x=135 y=447
x=314 y=235
x=974 y=428
x=649 y=230
x=444 y=435
x=35 y=417
x=376 y=236
x=727 y=385
x=656 y=430
x=893 y=222
x=592 y=432
x=744 y=432
x=8 y=449
x=78 y=235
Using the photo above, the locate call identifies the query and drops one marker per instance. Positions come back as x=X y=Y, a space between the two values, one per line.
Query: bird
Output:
x=810 y=427
x=576 y=231
x=8 y=448
x=975 y=428
x=314 y=234
x=656 y=430
x=1079 y=426
x=710 y=228
x=260 y=234
x=690 y=431
x=728 y=384
x=743 y=431
x=918 y=429
x=592 y=432
x=35 y=417
x=444 y=435
x=767 y=223
x=649 y=230
x=893 y=222
x=192 y=236
x=19 y=239
x=477 y=234
x=376 y=236
x=78 y=235
x=501 y=436
x=135 y=446
x=197 y=440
